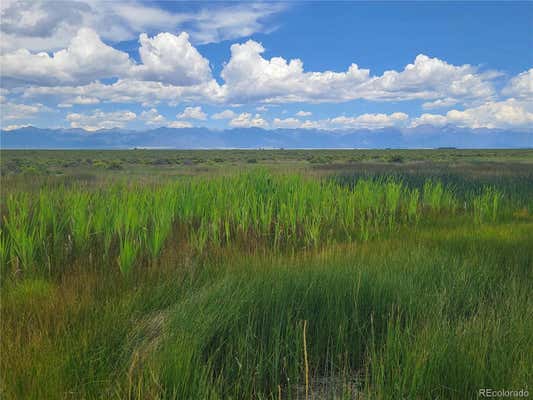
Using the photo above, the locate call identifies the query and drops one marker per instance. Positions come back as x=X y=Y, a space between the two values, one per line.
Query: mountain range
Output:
x=424 y=136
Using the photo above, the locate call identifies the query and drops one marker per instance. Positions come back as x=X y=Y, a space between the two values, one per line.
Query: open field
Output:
x=266 y=274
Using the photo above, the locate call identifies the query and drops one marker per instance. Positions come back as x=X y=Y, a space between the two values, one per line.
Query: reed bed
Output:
x=128 y=222
x=264 y=286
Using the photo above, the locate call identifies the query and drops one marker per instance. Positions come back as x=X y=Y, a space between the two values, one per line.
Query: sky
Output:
x=94 y=64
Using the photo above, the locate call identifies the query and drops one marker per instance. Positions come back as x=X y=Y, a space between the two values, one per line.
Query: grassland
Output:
x=266 y=274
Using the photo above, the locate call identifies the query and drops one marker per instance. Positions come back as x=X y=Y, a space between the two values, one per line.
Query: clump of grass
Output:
x=30 y=291
x=487 y=205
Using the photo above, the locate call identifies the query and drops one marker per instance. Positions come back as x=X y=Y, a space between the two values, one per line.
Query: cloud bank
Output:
x=60 y=57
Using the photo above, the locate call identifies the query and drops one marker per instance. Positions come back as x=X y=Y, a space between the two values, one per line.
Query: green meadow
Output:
x=267 y=274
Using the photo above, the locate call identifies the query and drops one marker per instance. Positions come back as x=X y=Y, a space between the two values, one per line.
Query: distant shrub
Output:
x=31 y=170
x=70 y=164
x=396 y=158
x=161 y=161
x=320 y=160
x=114 y=165
x=251 y=161
x=99 y=164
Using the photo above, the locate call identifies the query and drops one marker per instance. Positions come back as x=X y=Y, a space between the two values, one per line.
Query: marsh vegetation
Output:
x=367 y=279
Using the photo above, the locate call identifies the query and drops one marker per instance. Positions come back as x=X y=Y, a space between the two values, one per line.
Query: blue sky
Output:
x=323 y=65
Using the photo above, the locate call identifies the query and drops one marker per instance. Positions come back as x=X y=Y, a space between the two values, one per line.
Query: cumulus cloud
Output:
x=226 y=114
x=430 y=119
x=40 y=25
x=440 y=103
x=371 y=121
x=179 y=124
x=152 y=117
x=171 y=59
x=192 y=113
x=33 y=19
x=83 y=100
x=85 y=59
x=363 y=121
x=48 y=25
x=100 y=120
x=506 y=114
x=247 y=120
x=287 y=123
x=429 y=78
x=250 y=77
x=520 y=86
x=16 y=111
x=131 y=91
x=165 y=58
x=172 y=70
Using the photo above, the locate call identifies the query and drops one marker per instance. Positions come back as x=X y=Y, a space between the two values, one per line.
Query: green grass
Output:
x=266 y=285
x=131 y=223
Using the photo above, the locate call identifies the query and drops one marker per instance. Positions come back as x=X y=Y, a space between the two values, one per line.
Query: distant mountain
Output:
x=247 y=138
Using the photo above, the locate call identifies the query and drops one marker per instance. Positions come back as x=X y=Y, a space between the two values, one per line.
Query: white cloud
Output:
x=171 y=59
x=179 y=124
x=287 y=123
x=371 y=121
x=87 y=58
x=152 y=117
x=250 y=77
x=100 y=120
x=16 y=111
x=83 y=100
x=363 y=121
x=215 y=24
x=226 y=114
x=506 y=114
x=429 y=78
x=165 y=58
x=430 y=119
x=192 y=113
x=246 y=120
x=172 y=70
x=440 y=103
x=40 y=25
x=521 y=86
x=132 y=91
